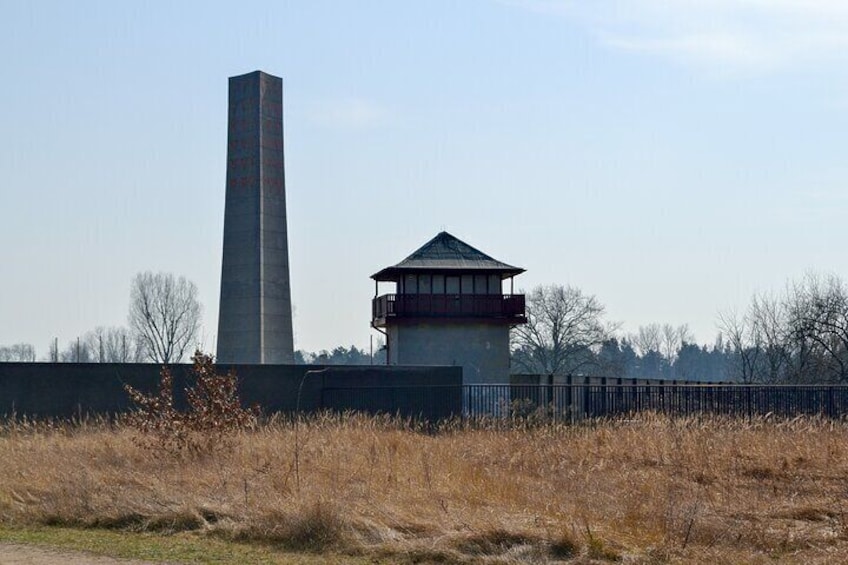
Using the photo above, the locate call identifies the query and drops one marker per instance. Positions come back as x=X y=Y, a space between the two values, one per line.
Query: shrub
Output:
x=214 y=411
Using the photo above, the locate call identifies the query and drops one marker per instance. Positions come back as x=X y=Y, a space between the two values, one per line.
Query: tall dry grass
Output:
x=650 y=489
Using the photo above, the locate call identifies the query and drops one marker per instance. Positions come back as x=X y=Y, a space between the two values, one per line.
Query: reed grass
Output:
x=649 y=489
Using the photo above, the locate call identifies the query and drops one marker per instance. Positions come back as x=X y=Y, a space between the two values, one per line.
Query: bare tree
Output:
x=53 y=351
x=647 y=339
x=761 y=344
x=19 y=352
x=744 y=343
x=818 y=319
x=651 y=362
x=673 y=339
x=563 y=328
x=77 y=351
x=769 y=323
x=114 y=345
x=164 y=315
x=801 y=337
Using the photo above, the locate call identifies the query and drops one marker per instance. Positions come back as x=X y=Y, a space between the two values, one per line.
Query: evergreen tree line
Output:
x=618 y=357
x=343 y=356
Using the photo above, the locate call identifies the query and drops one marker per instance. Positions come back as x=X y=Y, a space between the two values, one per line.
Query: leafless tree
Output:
x=114 y=345
x=77 y=351
x=761 y=341
x=164 y=315
x=744 y=343
x=647 y=339
x=563 y=327
x=672 y=339
x=658 y=347
x=818 y=320
x=53 y=351
x=768 y=320
x=800 y=337
x=19 y=352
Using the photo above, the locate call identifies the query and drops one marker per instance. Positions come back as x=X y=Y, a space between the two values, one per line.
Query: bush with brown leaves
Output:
x=214 y=411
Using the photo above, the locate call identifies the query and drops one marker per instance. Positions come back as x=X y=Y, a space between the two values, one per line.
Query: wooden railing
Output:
x=510 y=306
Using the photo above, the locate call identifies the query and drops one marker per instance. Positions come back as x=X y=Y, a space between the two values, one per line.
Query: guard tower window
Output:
x=467 y=284
x=495 y=284
x=480 y=284
x=438 y=284
x=452 y=285
x=410 y=284
x=425 y=284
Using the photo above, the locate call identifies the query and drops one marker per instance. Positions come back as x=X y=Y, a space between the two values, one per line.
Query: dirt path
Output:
x=16 y=554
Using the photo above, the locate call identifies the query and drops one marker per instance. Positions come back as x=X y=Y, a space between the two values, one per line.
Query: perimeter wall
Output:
x=62 y=390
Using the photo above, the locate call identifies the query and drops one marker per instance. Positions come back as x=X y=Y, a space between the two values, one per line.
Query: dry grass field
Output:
x=644 y=490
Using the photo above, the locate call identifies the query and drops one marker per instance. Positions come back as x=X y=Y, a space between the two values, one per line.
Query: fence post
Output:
x=748 y=399
x=830 y=411
x=587 y=398
x=549 y=396
x=674 y=397
x=604 y=397
x=619 y=395
x=635 y=403
x=569 y=383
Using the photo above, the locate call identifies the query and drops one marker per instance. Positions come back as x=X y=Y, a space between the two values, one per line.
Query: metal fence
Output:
x=580 y=401
x=574 y=402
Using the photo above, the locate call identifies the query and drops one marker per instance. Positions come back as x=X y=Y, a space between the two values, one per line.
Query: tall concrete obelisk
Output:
x=255 y=318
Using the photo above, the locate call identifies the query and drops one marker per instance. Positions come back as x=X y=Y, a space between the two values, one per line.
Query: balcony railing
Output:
x=507 y=306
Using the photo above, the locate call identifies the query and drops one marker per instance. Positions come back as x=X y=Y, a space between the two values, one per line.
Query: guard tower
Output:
x=449 y=308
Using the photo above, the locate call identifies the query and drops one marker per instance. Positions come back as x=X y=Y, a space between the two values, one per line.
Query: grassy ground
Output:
x=645 y=490
x=186 y=547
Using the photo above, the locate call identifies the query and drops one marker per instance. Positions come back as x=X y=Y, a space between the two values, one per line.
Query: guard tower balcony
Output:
x=451 y=281
x=504 y=308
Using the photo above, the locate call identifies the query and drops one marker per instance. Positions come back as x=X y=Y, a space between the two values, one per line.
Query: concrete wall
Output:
x=66 y=389
x=482 y=350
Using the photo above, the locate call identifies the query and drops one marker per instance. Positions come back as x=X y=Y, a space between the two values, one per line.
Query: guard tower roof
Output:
x=446 y=253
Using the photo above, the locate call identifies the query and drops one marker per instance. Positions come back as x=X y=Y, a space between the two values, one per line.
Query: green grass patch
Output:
x=184 y=547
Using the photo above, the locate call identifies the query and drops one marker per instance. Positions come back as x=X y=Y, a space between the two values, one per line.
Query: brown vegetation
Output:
x=647 y=490
x=214 y=411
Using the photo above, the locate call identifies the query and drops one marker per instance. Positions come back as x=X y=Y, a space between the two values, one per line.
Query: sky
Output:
x=671 y=157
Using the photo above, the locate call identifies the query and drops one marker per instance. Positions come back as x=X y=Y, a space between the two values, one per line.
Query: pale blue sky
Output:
x=670 y=157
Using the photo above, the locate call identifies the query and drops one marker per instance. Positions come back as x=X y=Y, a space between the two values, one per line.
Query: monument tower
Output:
x=255 y=317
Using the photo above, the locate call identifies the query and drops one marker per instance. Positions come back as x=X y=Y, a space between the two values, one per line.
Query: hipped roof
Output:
x=446 y=253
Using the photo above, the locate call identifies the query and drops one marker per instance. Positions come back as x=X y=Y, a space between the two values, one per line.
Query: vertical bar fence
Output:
x=603 y=398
